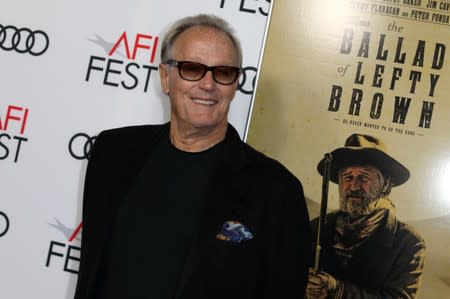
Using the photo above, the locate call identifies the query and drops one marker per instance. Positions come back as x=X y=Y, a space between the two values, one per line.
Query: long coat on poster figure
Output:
x=366 y=251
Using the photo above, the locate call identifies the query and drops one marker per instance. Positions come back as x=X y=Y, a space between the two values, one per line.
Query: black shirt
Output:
x=156 y=223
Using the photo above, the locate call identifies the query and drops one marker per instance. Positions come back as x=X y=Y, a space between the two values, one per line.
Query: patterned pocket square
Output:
x=234 y=231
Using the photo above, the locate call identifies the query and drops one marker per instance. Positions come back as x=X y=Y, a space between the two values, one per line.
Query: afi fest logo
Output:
x=123 y=71
x=13 y=124
x=131 y=75
x=67 y=254
x=23 y=40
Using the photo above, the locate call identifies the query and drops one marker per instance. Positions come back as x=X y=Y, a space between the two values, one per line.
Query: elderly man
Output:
x=186 y=209
x=366 y=251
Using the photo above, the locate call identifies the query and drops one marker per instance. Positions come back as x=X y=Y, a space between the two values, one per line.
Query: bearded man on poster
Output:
x=366 y=252
x=186 y=209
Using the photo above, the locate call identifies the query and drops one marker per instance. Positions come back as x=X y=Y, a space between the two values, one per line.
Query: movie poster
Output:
x=380 y=68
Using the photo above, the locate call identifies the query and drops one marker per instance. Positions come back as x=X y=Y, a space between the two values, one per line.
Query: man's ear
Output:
x=164 y=76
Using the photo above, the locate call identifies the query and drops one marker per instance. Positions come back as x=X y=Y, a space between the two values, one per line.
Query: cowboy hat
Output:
x=362 y=149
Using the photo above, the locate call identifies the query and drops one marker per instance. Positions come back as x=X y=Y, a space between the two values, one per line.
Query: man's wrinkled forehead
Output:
x=215 y=36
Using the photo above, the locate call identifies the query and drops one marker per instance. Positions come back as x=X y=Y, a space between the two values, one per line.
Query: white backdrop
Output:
x=54 y=101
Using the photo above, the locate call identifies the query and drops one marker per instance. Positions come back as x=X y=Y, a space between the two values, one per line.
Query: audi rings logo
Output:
x=4 y=224
x=247 y=80
x=23 y=40
x=80 y=146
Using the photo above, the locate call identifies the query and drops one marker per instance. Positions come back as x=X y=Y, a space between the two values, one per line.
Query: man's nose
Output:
x=355 y=184
x=207 y=82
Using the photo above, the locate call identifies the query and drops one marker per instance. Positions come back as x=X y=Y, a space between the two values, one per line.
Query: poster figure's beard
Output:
x=358 y=203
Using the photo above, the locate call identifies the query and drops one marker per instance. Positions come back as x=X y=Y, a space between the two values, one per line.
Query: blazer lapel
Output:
x=124 y=166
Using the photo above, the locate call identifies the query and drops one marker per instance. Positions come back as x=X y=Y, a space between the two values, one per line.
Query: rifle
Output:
x=323 y=207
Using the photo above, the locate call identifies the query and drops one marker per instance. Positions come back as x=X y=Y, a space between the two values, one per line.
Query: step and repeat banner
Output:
x=69 y=70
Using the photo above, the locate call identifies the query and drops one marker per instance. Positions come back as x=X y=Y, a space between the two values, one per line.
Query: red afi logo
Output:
x=138 y=44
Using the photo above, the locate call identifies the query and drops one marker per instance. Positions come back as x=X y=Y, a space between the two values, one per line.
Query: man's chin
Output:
x=209 y=123
x=353 y=211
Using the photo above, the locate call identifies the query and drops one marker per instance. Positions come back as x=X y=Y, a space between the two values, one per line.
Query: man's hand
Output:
x=322 y=285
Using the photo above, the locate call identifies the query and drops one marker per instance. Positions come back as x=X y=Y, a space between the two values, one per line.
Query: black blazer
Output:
x=251 y=188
